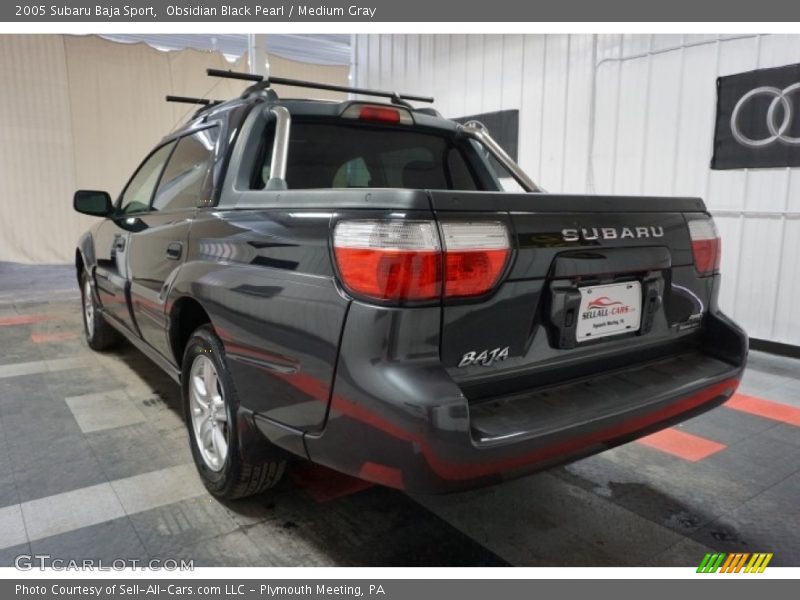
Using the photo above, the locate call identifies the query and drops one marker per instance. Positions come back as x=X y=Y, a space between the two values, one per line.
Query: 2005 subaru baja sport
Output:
x=353 y=283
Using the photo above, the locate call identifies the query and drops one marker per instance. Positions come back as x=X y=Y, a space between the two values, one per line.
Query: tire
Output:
x=213 y=426
x=99 y=334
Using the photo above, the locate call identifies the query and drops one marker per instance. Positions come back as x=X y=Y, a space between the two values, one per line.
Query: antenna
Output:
x=261 y=83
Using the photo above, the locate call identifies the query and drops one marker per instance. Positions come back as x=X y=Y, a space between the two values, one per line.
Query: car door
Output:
x=112 y=239
x=158 y=247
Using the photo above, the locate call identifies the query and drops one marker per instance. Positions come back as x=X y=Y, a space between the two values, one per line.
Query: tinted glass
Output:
x=187 y=179
x=323 y=155
x=136 y=197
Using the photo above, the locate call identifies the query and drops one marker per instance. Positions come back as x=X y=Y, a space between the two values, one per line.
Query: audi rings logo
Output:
x=779 y=116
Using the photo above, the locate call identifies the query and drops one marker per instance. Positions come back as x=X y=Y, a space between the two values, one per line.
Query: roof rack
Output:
x=260 y=83
x=205 y=103
x=192 y=100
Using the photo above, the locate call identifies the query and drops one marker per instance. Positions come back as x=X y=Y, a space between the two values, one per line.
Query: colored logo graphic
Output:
x=603 y=302
x=735 y=563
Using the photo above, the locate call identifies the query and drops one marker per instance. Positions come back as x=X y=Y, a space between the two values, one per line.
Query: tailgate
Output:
x=595 y=283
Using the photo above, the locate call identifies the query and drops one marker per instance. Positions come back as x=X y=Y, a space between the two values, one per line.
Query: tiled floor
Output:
x=94 y=463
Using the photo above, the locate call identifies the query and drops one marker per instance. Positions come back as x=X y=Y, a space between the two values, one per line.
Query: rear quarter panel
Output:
x=265 y=279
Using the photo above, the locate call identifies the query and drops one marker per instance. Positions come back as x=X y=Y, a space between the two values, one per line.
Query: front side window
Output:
x=139 y=191
x=187 y=178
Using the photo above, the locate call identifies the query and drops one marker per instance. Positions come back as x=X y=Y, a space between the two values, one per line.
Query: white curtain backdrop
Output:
x=82 y=112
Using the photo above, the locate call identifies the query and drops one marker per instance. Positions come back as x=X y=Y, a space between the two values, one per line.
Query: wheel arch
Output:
x=84 y=255
x=186 y=315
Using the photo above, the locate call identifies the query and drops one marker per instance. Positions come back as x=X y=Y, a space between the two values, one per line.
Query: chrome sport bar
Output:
x=479 y=133
x=280 y=148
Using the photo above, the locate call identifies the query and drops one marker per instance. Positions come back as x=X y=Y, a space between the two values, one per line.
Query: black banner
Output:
x=758 y=119
x=474 y=11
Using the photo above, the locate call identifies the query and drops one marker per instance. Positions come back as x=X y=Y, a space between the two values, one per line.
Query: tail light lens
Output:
x=389 y=260
x=706 y=245
x=401 y=261
x=475 y=257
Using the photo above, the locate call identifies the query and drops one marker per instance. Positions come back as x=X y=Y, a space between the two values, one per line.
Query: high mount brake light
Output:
x=706 y=245
x=403 y=261
x=379 y=113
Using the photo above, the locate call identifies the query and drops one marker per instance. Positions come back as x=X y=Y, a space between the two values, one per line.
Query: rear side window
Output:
x=186 y=181
x=327 y=155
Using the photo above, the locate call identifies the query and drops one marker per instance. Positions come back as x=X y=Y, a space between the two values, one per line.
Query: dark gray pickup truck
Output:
x=378 y=289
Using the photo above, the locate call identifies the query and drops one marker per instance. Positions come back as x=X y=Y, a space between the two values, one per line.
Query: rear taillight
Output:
x=389 y=260
x=475 y=256
x=402 y=261
x=706 y=245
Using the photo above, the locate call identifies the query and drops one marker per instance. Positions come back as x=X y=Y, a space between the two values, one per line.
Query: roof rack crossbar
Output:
x=191 y=100
x=394 y=96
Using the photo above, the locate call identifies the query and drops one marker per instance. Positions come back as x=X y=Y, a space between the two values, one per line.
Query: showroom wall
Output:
x=82 y=112
x=625 y=114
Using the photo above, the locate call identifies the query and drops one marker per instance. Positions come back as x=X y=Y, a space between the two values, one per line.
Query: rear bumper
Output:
x=402 y=421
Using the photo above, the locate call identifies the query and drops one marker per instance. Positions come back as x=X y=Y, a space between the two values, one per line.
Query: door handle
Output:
x=119 y=243
x=174 y=250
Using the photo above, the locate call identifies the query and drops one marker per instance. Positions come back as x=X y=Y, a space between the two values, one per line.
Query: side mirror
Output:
x=93 y=202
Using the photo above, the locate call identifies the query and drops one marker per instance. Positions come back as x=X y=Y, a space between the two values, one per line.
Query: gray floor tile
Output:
x=686 y=553
x=167 y=529
x=17 y=347
x=104 y=410
x=233 y=549
x=71 y=511
x=9 y=555
x=760 y=525
x=691 y=484
x=788 y=434
x=761 y=383
x=133 y=450
x=537 y=514
x=108 y=541
x=787 y=394
x=8 y=488
x=726 y=426
x=16 y=389
x=773 y=363
x=55 y=444
x=19 y=369
x=158 y=488
x=282 y=546
x=12 y=526
x=758 y=462
x=88 y=380
x=49 y=475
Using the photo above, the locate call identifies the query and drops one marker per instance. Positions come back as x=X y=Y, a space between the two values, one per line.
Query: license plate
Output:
x=607 y=310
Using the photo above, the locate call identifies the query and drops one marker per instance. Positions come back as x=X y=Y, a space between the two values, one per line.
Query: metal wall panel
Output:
x=625 y=114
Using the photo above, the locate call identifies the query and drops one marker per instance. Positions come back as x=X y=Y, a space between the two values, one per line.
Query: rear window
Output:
x=323 y=155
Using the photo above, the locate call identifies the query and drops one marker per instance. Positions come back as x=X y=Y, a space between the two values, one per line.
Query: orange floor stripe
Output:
x=765 y=408
x=21 y=320
x=57 y=336
x=681 y=444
